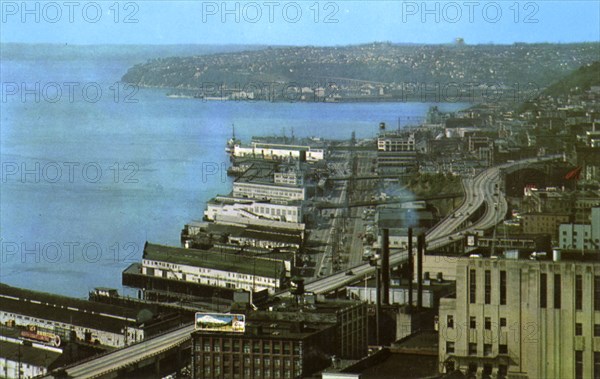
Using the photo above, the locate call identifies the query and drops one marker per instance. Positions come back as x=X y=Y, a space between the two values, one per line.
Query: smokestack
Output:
x=420 y=252
x=385 y=267
x=410 y=268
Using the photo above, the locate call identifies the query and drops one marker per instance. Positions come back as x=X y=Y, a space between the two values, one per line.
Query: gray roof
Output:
x=218 y=261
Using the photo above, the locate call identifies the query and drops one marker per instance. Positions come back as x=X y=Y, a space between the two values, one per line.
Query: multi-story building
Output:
x=392 y=142
x=543 y=223
x=555 y=200
x=524 y=318
x=293 y=341
x=581 y=237
x=213 y=268
x=267 y=191
x=267 y=349
x=396 y=153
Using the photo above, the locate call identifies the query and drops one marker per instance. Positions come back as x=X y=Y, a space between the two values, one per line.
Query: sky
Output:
x=298 y=22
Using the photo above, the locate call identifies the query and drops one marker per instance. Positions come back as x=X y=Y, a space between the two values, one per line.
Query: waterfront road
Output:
x=483 y=188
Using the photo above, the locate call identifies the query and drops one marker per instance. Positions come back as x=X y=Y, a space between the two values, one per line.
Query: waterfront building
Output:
x=274 y=151
x=71 y=318
x=212 y=268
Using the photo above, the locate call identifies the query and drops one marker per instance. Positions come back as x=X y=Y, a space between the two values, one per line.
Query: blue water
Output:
x=106 y=176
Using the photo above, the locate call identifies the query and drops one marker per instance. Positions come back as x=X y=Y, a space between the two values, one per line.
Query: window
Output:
x=543 y=290
x=557 y=291
x=503 y=287
x=502 y=321
x=488 y=323
x=487 y=349
x=488 y=286
x=473 y=286
x=578 y=329
x=450 y=321
x=597 y=293
x=487 y=371
x=578 y=364
x=578 y=292
x=596 y=365
x=596 y=330
x=473 y=322
x=472 y=348
x=502 y=349
x=449 y=347
x=502 y=371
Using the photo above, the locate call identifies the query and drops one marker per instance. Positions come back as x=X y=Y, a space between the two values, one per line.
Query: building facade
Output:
x=584 y=237
x=276 y=349
x=268 y=191
x=522 y=319
x=213 y=268
x=254 y=209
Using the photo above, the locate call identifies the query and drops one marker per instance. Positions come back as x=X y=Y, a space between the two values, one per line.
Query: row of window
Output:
x=265 y=347
x=258 y=373
x=275 y=211
x=579 y=365
x=579 y=329
x=487 y=287
x=473 y=322
x=558 y=291
x=487 y=348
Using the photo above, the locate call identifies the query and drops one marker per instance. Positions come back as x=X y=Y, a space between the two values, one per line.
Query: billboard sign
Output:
x=220 y=322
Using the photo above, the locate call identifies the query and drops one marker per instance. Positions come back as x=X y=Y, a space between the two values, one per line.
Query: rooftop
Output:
x=27 y=354
x=218 y=261
x=273 y=329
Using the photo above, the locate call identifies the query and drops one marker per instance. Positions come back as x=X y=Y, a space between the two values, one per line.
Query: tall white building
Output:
x=581 y=236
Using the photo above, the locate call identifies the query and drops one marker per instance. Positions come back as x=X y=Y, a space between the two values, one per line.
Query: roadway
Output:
x=130 y=355
x=483 y=188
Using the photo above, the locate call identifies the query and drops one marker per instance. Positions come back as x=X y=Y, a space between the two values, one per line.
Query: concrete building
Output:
x=543 y=223
x=268 y=191
x=267 y=349
x=525 y=318
x=581 y=237
x=396 y=152
x=290 y=341
x=555 y=200
x=432 y=292
x=214 y=269
x=393 y=142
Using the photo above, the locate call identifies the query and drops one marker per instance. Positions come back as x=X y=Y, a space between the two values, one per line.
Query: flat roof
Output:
x=218 y=261
x=64 y=315
x=27 y=354
x=273 y=329
x=64 y=301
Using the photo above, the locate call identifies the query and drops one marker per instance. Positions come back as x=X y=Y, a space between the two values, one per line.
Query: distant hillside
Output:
x=379 y=68
x=578 y=81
